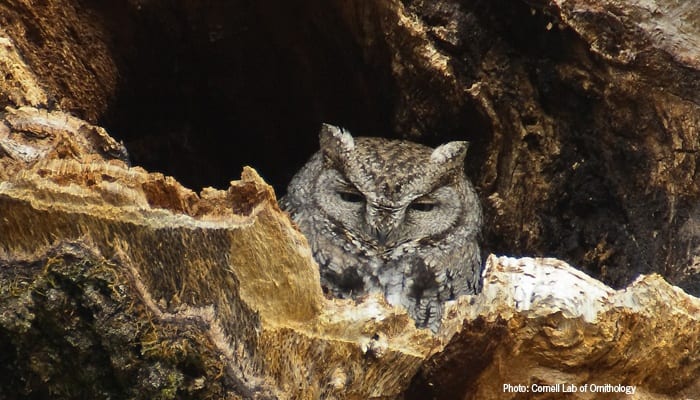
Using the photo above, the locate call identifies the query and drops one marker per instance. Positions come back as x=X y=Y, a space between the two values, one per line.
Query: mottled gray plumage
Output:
x=390 y=216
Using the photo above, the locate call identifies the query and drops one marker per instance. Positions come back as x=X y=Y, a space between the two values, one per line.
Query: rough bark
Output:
x=117 y=282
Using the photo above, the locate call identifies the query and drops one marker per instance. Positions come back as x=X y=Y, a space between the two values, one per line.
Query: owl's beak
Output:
x=382 y=222
x=382 y=237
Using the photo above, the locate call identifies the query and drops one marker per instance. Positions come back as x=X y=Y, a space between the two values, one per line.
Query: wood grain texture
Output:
x=120 y=282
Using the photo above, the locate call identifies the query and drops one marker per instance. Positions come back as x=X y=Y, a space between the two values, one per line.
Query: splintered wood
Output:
x=588 y=135
x=228 y=273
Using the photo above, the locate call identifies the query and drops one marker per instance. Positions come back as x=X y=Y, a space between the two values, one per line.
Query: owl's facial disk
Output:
x=386 y=192
x=383 y=220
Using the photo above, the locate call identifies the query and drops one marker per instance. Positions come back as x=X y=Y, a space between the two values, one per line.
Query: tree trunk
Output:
x=116 y=282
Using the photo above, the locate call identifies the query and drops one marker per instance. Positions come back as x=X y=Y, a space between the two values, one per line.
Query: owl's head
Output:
x=386 y=192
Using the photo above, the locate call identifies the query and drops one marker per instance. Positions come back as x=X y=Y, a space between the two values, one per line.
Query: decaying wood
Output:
x=193 y=298
x=542 y=322
x=55 y=54
x=116 y=282
x=593 y=108
x=19 y=84
x=194 y=279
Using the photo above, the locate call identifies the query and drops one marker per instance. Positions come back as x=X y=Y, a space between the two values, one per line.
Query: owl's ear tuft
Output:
x=452 y=153
x=334 y=139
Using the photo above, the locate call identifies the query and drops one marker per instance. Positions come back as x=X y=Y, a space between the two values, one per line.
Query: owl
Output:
x=390 y=216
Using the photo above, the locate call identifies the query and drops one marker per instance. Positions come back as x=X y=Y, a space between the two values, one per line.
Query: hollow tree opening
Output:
x=209 y=87
x=583 y=120
x=583 y=138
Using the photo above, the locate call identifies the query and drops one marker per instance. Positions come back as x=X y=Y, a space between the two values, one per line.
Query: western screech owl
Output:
x=390 y=216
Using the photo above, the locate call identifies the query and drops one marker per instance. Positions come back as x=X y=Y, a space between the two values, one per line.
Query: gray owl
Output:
x=390 y=216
